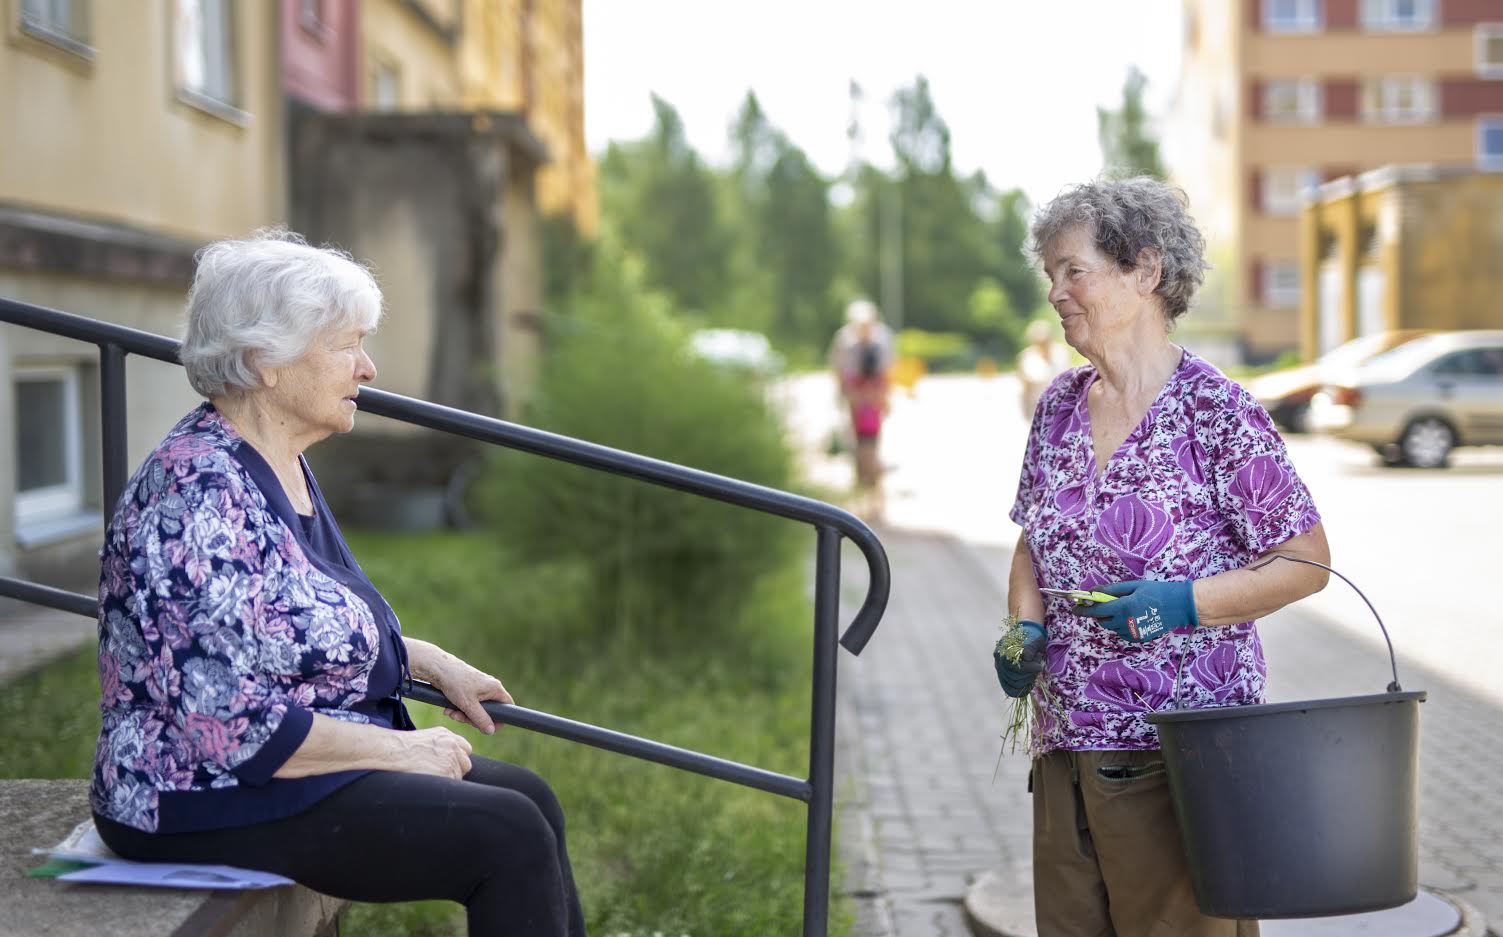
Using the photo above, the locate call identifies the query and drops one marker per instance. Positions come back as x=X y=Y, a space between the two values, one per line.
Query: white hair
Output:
x=263 y=302
x=861 y=310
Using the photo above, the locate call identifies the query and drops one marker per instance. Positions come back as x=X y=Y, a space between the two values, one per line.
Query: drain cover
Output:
x=1428 y=915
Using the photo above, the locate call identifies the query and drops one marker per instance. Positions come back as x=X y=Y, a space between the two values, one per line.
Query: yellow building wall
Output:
x=528 y=58
x=1355 y=55
x=1368 y=145
x=395 y=36
x=1452 y=239
x=111 y=140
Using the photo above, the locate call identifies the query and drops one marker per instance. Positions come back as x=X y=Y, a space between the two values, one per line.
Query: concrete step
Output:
x=39 y=813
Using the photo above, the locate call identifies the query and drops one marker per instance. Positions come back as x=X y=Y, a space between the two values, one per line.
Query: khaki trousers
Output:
x=1107 y=858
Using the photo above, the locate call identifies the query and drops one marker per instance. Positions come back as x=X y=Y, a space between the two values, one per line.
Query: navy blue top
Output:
x=246 y=804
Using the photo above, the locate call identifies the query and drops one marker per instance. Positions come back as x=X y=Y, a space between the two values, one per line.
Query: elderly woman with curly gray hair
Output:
x=252 y=673
x=1151 y=477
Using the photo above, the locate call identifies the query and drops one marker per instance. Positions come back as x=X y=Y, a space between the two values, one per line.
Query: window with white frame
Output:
x=386 y=86
x=1398 y=15
x=205 y=50
x=1490 y=143
x=63 y=23
x=1489 y=50
x=1283 y=188
x=1398 y=99
x=1292 y=100
x=1281 y=283
x=1292 y=16
x=49 y=444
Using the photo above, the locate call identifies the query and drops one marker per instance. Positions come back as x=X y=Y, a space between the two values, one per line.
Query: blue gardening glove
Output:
x=1146 y=610
x=1017 y=679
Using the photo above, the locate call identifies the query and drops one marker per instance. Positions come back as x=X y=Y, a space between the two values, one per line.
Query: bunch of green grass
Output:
x=1022 y=723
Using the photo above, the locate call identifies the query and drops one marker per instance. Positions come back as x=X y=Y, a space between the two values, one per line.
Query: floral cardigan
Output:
x=219 y=638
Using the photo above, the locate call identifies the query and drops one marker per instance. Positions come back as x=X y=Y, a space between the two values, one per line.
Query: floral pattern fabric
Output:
x=218 y=637
x=1201 y=486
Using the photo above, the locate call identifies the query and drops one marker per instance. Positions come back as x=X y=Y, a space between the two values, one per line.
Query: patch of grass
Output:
x=654 y=849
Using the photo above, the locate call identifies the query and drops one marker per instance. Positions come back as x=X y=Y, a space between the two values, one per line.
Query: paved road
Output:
x=921 y=713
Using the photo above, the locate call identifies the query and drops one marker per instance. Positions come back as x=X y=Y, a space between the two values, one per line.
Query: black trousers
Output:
x=493 y=842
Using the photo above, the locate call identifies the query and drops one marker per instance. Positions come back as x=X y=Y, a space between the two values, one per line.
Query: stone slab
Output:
x=39 y=813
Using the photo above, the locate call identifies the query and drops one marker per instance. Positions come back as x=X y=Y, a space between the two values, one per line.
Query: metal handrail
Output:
x=830 y=524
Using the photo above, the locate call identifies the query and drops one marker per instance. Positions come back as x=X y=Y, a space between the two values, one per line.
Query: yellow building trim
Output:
x=1360 y=54
x=1448 y=141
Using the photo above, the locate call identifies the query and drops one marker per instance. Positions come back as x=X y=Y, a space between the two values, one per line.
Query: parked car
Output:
x=1416 y=403
x=1286 y=394
x=739 y=350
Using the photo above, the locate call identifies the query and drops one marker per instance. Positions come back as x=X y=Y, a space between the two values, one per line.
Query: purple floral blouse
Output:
x=1201 y=486
x=221 y=632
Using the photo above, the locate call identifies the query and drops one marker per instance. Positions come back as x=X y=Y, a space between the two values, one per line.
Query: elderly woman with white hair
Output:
x=252 y=674
x=1151 y=477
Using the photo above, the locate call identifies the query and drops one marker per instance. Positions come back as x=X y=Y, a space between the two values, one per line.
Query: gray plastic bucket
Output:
x=1304 y=809
x=1298 y=809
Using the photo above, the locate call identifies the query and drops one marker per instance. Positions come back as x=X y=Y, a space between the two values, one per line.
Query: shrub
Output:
x=619 y=373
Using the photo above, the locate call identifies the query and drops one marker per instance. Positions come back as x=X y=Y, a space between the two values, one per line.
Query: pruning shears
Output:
x=1080 y=596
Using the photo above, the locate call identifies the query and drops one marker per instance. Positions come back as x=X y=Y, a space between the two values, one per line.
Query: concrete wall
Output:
x=442 y=207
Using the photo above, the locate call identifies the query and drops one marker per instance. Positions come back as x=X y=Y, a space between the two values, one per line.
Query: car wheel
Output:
x=1427 y=442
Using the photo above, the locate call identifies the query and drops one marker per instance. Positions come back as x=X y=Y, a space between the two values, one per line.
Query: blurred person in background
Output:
x=1150 y=476
x=861 y=358
x=1041 y=361
x=251 y=673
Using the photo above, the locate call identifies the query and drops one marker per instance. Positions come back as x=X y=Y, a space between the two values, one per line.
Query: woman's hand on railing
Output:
x=465 y=686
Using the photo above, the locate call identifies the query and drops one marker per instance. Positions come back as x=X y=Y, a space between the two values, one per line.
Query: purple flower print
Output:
x=1216 y=671
x=1136 y=530
x=1190 y=455
x=1262 y=484
x=1125 y=688
x=1087 y=720
x=1071 y=500
x=1065 y=423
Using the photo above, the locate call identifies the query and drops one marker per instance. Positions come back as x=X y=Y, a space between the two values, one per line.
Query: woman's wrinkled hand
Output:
x=437 y=751
x=467 y=688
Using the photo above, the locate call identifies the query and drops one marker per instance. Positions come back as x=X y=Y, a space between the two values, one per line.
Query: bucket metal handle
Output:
x=1393 y=666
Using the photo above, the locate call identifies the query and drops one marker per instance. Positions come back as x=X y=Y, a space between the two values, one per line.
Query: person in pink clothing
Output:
x=1151 y=476
x=861 y=362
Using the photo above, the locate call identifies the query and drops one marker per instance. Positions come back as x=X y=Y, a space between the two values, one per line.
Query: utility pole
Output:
x=889 y=207
x=890 y=240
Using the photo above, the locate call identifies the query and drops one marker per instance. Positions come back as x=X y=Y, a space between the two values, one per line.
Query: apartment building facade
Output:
x=1281 y=96
x=134 y=133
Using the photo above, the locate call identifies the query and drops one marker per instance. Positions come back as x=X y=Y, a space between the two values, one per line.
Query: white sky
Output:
x=1017 y=81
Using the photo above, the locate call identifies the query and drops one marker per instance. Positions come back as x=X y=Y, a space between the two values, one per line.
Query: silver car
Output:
x=1419 y=401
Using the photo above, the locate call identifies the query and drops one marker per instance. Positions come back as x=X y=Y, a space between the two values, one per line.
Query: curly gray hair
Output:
x=1126 y=217
x=263 y=301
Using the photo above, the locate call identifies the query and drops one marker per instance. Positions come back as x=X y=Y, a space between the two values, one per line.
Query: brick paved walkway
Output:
x=920 y=715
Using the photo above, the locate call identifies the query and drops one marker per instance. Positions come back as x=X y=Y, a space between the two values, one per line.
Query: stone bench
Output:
x=40 y=813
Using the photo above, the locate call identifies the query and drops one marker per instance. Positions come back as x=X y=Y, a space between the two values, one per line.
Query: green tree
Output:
x=785 y=203
x=1128 y=147
x=1016 y=272
x=946 y=244
x=665 y=204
